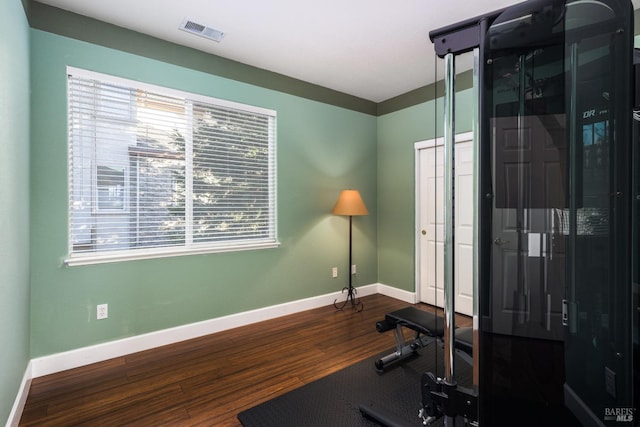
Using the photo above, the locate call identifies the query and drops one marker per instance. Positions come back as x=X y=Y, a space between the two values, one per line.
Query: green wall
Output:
x=397 y=134
x=14 y=201
x=321 y=150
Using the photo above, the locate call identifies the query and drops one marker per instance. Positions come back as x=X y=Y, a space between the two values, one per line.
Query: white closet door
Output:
x=431 y=225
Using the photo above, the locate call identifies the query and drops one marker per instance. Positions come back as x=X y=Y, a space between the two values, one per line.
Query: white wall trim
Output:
x=21 y=398
x=402 y=295
x=97 y=353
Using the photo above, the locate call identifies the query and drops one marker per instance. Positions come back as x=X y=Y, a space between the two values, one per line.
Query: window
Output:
x=158 y=172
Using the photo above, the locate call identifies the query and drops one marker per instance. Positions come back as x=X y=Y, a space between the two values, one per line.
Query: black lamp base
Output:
x=351 y=297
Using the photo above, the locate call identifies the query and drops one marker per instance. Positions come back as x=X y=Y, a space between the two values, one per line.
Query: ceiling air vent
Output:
x=201 y=30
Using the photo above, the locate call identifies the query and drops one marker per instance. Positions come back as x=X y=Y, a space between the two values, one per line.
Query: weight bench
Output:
x=428 y=327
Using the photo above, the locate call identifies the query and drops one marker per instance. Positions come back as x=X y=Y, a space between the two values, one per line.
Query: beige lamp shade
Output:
x=350 y=203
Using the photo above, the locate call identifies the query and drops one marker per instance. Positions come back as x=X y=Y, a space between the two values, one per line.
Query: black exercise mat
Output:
x=335 y=399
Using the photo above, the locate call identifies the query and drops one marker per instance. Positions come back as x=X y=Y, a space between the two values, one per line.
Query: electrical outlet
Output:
x=334 y=272
x=353 y=269
x=102 y=311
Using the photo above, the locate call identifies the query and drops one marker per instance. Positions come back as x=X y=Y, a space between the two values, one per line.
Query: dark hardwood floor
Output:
x=207 y=381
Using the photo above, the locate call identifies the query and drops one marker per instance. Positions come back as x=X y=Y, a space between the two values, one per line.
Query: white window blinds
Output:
x=157 y=172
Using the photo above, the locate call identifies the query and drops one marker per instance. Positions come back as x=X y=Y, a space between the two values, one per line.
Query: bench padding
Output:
x=464 y=339
x=419 y=320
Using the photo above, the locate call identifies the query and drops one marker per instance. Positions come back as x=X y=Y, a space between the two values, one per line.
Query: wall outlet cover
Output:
x=102 y=311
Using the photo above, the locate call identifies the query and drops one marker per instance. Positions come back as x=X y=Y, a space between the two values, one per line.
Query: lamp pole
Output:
x=351 y=291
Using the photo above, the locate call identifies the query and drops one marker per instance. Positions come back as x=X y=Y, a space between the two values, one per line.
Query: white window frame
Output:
x=189 y=248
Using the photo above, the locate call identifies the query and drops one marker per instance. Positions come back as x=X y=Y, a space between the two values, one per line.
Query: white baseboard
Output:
x=21 y=398
x=390 y=291
x=97 y=353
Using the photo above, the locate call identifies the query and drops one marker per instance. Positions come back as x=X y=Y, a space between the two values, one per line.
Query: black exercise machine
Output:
x=561 y=69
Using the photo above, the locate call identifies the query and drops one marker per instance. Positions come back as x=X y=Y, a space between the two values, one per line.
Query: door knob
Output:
x=498 y=241
x=424 y=232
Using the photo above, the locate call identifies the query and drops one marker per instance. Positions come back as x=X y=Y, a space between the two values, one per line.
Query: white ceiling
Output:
x=372 y=49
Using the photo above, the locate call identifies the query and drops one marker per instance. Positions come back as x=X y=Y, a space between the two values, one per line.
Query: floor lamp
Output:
x=350 y=203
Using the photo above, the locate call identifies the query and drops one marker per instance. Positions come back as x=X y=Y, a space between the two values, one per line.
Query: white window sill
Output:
x=131 y=255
